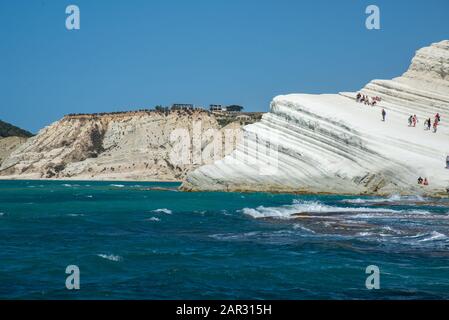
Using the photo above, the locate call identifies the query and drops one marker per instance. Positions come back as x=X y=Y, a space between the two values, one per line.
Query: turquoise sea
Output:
x=131 y=241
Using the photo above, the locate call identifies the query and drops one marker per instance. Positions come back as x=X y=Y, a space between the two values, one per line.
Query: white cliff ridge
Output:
x=333 y=144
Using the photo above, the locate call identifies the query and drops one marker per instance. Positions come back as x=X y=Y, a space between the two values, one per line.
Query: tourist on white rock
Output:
x=437 y=117
x=427 y=124
x=420 y=180
x=426 y=182
x=384 y=113
x=410 y=121
x=435 y=126
x=415 y=120
x=447 y=162
x=358 y=97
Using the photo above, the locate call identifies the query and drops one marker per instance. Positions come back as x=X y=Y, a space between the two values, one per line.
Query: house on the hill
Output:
x=216 y=108
x=182 y=106
x=234 y=108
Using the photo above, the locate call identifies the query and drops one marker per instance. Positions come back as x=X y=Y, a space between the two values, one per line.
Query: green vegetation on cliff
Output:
x=8 y=130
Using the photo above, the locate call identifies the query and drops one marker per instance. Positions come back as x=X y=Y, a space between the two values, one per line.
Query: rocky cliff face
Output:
x=124 y=146
x=8 y=145
x=11 y=137
x=333 y=144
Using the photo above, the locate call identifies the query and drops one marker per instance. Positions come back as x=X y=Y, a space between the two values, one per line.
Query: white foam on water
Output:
x=164 y=210
x=434 y=236
x=225 y=212
x=110 y=257
x=2 y=214
x=154 y=219
x=235 y=236
x=76 y=215
x=287 y=211
x=117 y=185
x=298 y=226
x=67 y=185
x=393 y=198
x=365 y=234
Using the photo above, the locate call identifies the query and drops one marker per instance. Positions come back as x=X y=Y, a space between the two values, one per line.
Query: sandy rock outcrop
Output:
x=144 y=145
x=8 y=145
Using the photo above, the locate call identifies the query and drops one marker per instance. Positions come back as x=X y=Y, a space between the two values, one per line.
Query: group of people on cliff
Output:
x=367 y=100
x=413 y=120
x=423 y=182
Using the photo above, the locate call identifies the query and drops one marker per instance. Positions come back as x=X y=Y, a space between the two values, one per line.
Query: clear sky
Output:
x=140 y=53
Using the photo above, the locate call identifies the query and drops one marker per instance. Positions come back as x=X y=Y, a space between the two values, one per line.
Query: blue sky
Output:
x=137 y=54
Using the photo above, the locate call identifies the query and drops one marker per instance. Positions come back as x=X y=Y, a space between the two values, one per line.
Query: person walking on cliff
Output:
x=410 y=120
x=435 y=126
x=384 y=113
x=415 y=120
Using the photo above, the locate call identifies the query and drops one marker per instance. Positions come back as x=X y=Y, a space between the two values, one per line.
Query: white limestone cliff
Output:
x=332 y=144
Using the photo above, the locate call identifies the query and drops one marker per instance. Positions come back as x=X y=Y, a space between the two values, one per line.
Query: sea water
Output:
x=135 y=240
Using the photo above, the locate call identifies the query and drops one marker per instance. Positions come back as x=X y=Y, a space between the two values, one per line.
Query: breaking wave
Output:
x=434 y=236
x=110 y=257
x=164 y=210
x=393 y=198
x=298 y=207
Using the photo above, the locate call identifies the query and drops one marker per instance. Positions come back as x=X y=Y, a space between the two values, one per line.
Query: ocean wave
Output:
x=110 y=257
x=2 y=214
x=154 y=219
x=393 y=198
x=298 y=226
x=76 y=215
x=365 y=234
x=117 y=185
x=434 y=236
x=288 y=211
x=164 y=210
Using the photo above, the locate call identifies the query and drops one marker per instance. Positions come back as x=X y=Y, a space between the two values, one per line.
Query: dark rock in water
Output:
x=159 y=189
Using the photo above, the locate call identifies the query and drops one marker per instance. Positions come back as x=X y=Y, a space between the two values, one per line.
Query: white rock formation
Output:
x=122 y=146
x=8 y=145
x=332 y=144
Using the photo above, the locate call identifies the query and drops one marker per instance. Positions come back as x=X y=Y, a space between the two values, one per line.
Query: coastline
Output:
x=293 y=191
x=86 y=180
x=185 y=187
